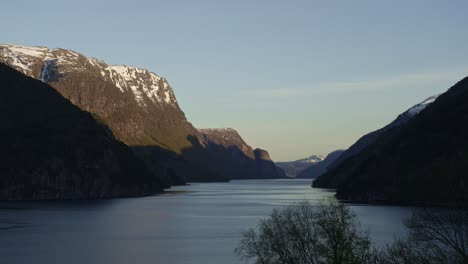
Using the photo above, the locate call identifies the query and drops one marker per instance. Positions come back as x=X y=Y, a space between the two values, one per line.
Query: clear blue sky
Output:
x=293 y=77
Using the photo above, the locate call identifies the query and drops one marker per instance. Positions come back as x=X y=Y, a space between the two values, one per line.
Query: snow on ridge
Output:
x=25 y=58
x=22 y=58
x=314 y=159
x=223 y=129
x=142 y=83
x=421 y=106
x=27 y=50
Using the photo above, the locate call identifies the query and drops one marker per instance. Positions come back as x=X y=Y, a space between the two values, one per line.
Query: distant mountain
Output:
x=319 y=168
x=293 y=168
x=424 y=160
x=370 y=138
x=51 y=149
x=137 y=105
x=233 y=155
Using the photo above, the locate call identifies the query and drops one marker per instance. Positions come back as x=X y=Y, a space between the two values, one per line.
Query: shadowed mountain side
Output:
x=371 y=137
x=233 y=157
x=193 y=164
x=422 y=161
x=265 y=166
x=165 y=134
x=51 y=149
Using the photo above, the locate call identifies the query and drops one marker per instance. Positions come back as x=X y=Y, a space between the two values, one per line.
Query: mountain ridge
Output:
x=293 y=168
x=369 y=138
x=423 y=161
x=319 y=168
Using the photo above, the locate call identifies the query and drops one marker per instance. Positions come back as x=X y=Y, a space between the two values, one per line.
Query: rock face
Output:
x=319 y=168
x=137 y=105
x=266 y=166
x=232 y=155
x=293 y=168
x=424 y=160
x=51 y=149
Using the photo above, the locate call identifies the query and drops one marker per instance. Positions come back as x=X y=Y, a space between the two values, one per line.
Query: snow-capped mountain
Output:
x=49 y=65
x=312 y=159
x=319 y=168
x=293 y=168
x=138 y=106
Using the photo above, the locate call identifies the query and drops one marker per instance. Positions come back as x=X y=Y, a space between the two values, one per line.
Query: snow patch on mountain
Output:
x=22 y=58
x=421 y=106
x=225 y=134
x=312 y=159
x=143 y=84
x=30 y=51
x=146 y=86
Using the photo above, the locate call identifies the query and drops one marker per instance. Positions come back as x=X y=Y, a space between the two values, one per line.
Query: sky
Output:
x=293 y=77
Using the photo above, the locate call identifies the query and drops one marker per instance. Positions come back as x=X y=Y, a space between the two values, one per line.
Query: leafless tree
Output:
x=435 y=236
x=307 y=234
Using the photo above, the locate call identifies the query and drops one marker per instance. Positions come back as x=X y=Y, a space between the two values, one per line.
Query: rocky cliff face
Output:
x=51 y=149
x=233 y=155
x=266 y=166
x=137 y=105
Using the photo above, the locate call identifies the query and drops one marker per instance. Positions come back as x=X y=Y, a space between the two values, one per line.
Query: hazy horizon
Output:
x=295 y=78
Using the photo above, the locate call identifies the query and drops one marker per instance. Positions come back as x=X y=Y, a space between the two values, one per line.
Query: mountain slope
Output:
x=424 y=160
x=50 y=149
x=371 y=137
x=233 y=155
x=321 y=167
x=293 y=168
x=138 y=106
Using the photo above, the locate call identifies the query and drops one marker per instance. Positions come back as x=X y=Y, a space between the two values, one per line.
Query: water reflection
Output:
x=200 y=223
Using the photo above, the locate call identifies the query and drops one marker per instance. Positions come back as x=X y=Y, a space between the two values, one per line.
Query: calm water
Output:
x=200 y=223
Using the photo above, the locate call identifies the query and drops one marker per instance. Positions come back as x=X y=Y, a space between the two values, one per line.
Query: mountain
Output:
x=51 y=149
x=424 y=160
x=301 y=168
x=371 y=137
x=319 y=168
x=233 y=155
x=138 y=106
x=293 y=168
